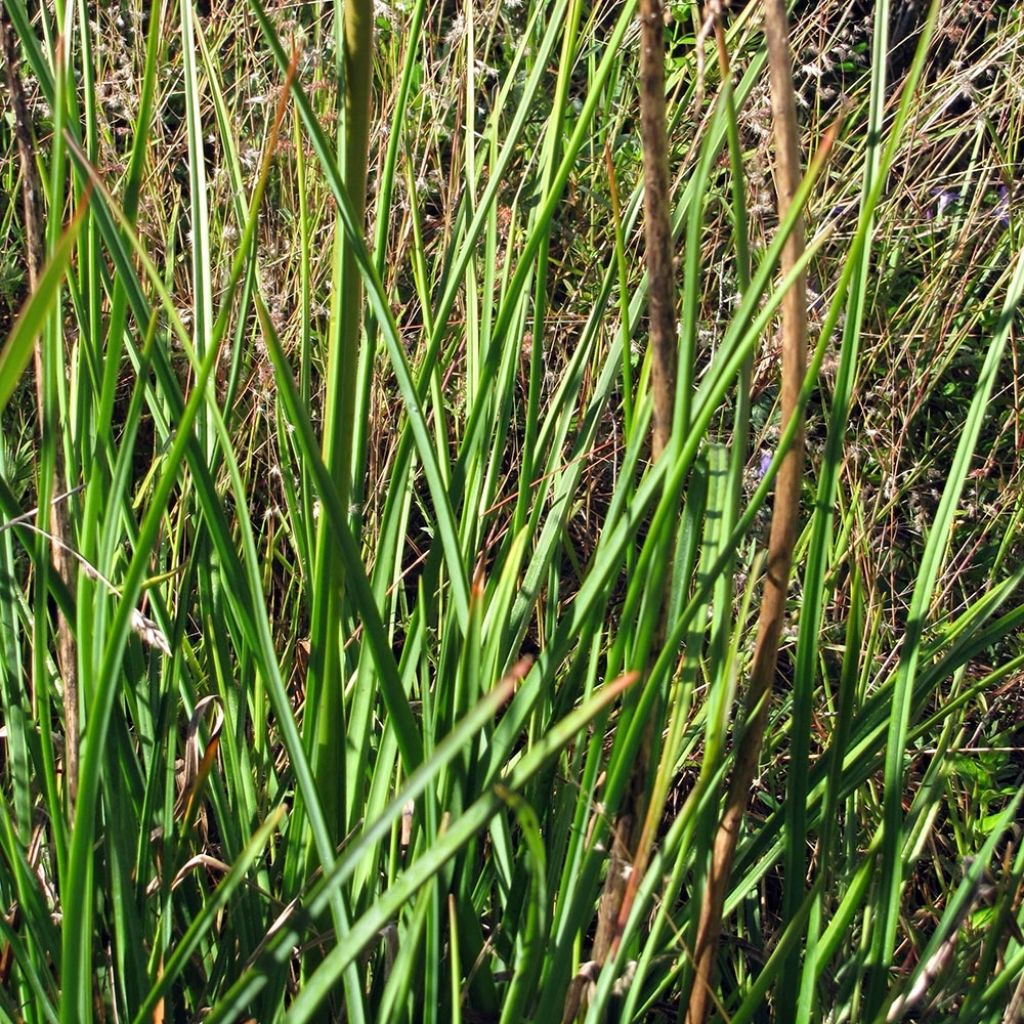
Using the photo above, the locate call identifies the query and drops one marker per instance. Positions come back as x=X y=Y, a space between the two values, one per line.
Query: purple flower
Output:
x=946 y=198
x=842 y=211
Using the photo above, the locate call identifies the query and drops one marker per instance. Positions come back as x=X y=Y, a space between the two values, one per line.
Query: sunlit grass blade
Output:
x=17 y=350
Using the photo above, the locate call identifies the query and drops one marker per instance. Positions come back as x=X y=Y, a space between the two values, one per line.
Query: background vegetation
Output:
x=339 y=594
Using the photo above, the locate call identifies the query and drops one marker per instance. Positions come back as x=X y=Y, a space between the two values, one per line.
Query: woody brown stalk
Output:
x=657 y=224
x=628 y=824
x=32 y=206
x=785 y=518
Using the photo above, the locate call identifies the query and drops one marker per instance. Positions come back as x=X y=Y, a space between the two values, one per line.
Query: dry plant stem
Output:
x=655 y=805
x=657 y=224
x=32 y=206
x=663 y=342
x=784 y=520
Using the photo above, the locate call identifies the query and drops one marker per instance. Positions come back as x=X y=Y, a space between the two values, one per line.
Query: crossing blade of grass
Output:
x=17 y=351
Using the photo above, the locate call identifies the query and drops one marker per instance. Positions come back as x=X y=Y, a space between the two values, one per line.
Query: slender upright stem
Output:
x=785 y=518
x=657 y=224
x=628 y=825
x=343 y=360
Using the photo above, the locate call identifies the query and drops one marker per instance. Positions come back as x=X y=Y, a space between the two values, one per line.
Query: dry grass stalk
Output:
x=785 y=518
x=627 y=827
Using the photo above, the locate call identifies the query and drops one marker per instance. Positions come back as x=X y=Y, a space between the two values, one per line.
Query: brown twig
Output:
x=32 y=206
x=663 y=342
x=785 y=517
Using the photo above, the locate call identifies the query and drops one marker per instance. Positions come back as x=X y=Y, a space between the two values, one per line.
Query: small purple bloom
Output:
x=763 y=463
x=946 y=199
x=842 y=211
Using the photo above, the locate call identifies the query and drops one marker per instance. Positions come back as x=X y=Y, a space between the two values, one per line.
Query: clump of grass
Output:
x=381 y=591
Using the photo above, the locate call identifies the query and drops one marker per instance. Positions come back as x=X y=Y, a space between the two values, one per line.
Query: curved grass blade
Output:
x=16 y=353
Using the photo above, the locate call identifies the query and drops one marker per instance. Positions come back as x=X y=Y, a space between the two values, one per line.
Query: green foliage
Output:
x=367 y=549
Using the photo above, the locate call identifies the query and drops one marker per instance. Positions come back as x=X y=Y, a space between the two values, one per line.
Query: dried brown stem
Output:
x=658 y=224
x=656 y=803
x=32 y=206
x=785 y=518
x=628 y=823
